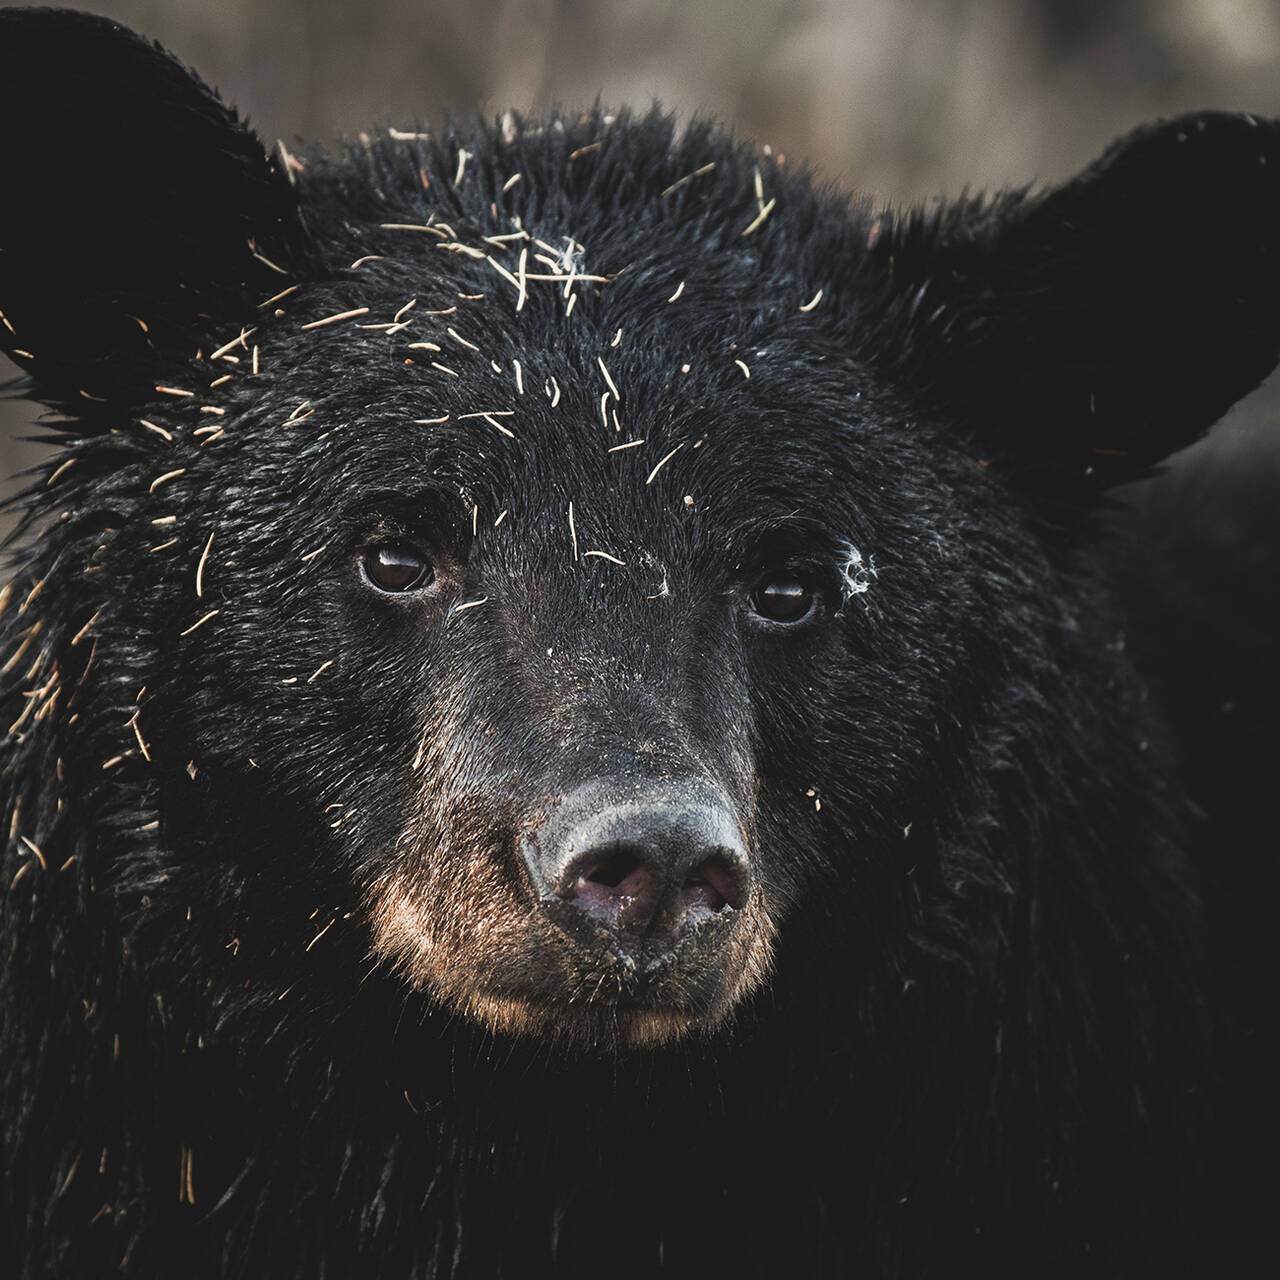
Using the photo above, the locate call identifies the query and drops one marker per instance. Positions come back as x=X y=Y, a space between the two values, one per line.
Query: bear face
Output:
x=662 y=542
x=573 y=595
x=588 y=611
x=586 y=607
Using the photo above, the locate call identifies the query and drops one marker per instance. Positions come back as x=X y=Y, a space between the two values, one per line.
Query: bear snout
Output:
x=643 y=861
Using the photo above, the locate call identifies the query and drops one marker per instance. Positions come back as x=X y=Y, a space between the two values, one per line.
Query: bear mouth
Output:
x=591 y=983
x=549 y=970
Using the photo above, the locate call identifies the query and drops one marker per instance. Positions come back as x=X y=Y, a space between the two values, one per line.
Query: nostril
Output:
x=616 y=885
x=714 y=883
x=612 y=870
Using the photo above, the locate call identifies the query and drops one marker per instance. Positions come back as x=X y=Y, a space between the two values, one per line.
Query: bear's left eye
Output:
x=784 y=599
x=397 y=567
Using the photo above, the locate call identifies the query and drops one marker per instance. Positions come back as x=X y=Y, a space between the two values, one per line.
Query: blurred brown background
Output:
x=899 y=98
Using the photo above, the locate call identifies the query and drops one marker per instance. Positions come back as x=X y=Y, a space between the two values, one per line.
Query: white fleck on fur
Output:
x=856 y=573
x=647 y=558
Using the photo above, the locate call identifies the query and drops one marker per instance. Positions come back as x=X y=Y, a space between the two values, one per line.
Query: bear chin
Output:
x=600 y=1026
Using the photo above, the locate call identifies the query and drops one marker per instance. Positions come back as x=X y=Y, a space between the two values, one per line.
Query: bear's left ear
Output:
x=1095 y=328
x=137 y=214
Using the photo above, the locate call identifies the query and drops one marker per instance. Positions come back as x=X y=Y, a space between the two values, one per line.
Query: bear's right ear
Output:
x=138 y=215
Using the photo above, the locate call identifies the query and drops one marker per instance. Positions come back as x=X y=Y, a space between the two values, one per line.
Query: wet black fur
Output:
x=1021 y=1012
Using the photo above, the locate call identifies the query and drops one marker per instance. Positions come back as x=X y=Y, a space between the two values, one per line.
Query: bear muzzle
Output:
x=624 y=911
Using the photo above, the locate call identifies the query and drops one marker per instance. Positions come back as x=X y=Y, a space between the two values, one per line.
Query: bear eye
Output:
x=397 y=567
x=783 y=599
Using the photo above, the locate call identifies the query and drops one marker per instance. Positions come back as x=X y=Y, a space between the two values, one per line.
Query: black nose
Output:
x=643 y=860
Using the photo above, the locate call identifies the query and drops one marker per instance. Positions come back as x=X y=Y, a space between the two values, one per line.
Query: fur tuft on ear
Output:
x=1097 y=327
x=140 y=212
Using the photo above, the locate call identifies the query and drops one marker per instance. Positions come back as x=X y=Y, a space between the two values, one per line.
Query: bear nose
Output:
x=644 y=861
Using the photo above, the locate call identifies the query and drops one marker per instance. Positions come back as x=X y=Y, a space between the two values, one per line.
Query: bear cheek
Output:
x=450 y=925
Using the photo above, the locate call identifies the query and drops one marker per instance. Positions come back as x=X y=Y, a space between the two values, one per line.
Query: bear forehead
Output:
x=434 y=380
x=684 y=475
x=572 y=289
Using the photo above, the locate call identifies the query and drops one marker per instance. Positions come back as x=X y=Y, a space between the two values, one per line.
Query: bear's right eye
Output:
x=397 y=567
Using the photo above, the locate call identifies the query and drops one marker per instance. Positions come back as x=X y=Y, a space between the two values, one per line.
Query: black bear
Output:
x=575 y=704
